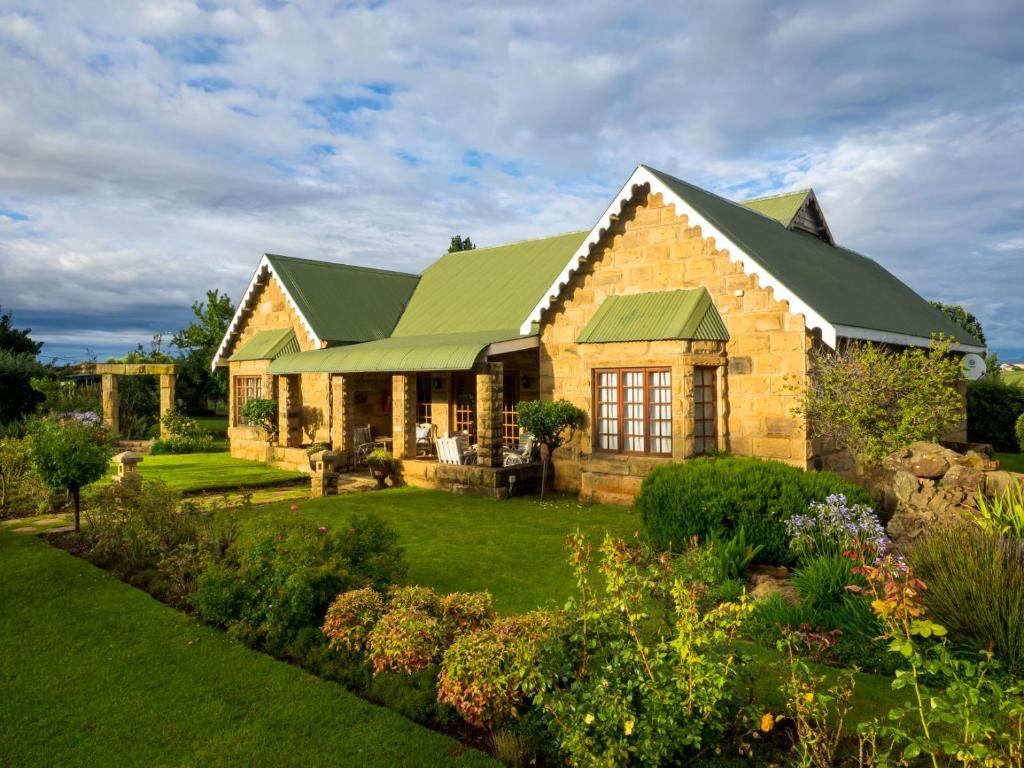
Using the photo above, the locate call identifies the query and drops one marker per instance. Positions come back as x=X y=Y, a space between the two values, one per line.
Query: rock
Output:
x=965 y=478
x=768 y=571
x=763 y=585
x=979 y=461
x=997 y=483
x=904 y=485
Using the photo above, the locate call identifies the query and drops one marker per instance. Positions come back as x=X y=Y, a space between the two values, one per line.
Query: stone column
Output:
x=289 y=407
x=341 y=426
x=489 y=399
x=403 y=415
x=167 y=382
x=111 y=402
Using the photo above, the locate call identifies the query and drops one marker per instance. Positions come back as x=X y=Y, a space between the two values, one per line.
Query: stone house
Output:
x=681 y=323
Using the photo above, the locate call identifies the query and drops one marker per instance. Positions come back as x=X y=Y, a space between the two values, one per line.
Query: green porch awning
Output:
x=683 y=314
x=267 y=345
x=437 y=352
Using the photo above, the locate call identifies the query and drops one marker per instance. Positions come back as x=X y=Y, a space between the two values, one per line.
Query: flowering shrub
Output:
x=351 y=617
x=836 y=527
x=466 y=611
x=482 y=673
x=622 y=688
x=89 y=418
x=415 y=597
x=405 y=640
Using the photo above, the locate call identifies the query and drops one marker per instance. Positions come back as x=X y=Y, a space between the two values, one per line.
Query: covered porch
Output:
x=474 y=397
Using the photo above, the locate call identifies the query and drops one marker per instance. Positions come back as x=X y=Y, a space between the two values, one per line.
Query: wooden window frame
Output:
x=509 y=400
x=424 y=408
x=251 y=389
x=713 y=421
x=457 y=409
x=620 y=415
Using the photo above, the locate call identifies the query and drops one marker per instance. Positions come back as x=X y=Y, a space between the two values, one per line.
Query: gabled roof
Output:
x=485 y=288
x=782 y=207
x=266 y=345
x=336 y=303
x=682 y=314
x=838 y=291
x=344 y=303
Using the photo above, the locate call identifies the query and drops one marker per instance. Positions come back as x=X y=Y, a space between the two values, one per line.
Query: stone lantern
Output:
x=323 y=476
x=127 y=466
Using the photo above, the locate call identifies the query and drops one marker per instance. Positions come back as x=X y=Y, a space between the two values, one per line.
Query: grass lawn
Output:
x=1011 y=462
x=513 y=548
x=94 y=672
x=1015 y=378
x=215 y=425
x=207 y=471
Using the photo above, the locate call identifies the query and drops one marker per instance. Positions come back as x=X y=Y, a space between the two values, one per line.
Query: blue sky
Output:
x=150 y=149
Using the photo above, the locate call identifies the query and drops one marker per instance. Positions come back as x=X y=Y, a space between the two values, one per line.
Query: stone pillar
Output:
x=489 y=399
x=167 y=382
x=111 y=402
x=403 y=415
x=289 y=411
x=341 y=426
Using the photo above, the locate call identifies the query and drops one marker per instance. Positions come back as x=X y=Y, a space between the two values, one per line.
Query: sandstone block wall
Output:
x=652 y=248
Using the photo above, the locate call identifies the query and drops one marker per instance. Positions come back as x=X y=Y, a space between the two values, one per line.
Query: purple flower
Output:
x=836 y=526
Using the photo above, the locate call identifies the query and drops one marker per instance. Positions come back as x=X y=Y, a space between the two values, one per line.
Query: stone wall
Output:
x=927 y=485
x=651 y=248
x=271 y=311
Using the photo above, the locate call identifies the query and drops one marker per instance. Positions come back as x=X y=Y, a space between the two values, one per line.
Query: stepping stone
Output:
x=62 y=529
x=26 y=529
x=50 y=520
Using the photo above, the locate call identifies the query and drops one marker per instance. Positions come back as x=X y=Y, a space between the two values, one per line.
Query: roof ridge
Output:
x=805 y=191
x=520 y=242
x=340 y=264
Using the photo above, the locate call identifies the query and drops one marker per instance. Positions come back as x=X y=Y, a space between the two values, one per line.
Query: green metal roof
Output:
x=266 y=345
x=844 y=287
x=783 y=208
x=343 y=303
x=434 y=352
x=683 y=314
x=487 y=287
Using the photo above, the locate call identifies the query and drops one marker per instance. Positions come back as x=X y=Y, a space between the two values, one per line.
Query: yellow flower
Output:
x=628 y=727
x=767 y=722
x=588 y=719
x=809 y=697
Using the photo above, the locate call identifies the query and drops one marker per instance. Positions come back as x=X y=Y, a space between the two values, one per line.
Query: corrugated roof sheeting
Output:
x=782 y=207
x=434 y=352
x=344 y=303
x=681 y=314
x=844 y=287
x=266 y=345
x=486 y=287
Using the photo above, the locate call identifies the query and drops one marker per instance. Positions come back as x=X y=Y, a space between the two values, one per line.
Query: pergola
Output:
x=110 y=373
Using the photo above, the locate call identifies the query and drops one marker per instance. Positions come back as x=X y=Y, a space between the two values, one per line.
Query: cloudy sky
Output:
x=150 y=150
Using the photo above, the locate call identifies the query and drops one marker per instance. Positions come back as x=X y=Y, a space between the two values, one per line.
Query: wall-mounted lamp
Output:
x=527 y=382
x=437 y=383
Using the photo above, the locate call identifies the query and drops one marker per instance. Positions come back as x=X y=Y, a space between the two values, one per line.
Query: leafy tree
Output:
x=69 y=454
x=18 y=365
x=549 y=421
x=460 y=243
x=873 y=401
x=17 y=340
x=966 y=320
x=199 y=341
x=17 y=396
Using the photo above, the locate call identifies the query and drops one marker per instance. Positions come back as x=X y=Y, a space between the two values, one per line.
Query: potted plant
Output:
x=382 y=465
x=314 y=449
x=262 y=414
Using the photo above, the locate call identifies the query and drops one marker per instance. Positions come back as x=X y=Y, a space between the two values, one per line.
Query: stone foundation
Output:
x=474 y=480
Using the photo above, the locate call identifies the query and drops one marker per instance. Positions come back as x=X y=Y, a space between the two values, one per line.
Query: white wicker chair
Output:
x=362 y=439
x=425 y=439
x=523 y=453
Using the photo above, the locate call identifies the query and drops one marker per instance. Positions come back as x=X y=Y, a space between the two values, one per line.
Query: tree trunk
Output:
x=544 y=470
x=77 y=498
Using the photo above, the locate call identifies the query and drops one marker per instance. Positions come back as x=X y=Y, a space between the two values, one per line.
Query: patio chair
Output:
x=523 y=453
x=362 y=439
x=424 y=439
x=450 y=450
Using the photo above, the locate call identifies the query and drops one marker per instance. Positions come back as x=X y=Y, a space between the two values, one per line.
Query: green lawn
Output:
x=215 y=425
x=513 y=548
x=1015 y=378
x=208 y=471
x=94 y=672
x=1011 y=462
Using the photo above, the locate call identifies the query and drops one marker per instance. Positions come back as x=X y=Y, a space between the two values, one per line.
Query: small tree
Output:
x=262 y=413
x=460 y=243
x=548 y=421
x=69 y=454
x=872 y=400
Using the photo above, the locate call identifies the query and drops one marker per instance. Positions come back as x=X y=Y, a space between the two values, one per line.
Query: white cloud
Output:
x=152 y=150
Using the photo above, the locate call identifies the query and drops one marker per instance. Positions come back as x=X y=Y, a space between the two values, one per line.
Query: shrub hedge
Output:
x=715 y=497
x=993 y=409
